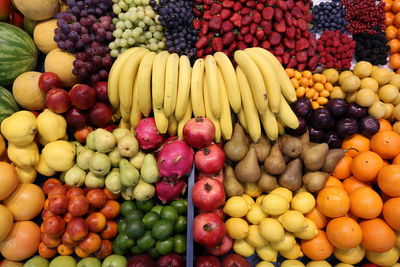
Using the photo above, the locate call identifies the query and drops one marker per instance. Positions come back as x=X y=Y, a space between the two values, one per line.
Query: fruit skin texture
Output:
x=344 y=233
x=210 y=160
x=199 y=132
x=377 y=235
x=389 y=180
x=26 y=91
x=391 y=212
x=366 y=166
x=317 y=248
x=208 y=229
x=43 y=35
x=8 y=104
x=386 y=144
x=148 y=136
x=208 y=194
x=365 y=203
x=37 y=9
x=6 y=221
x=333 y=202
x=8 y=179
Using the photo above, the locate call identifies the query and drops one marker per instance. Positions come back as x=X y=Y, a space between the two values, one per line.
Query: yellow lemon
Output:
x=267 y=253
x=259 y=199
x=243 y=248
x=303 y=202
x=318 y=264
x=292 y=263
x=236 y=207
x=309 y=232
x=387 y=258
x=283 y=192
x=271 y=230
x=350 y=256
x=237 y=228
x=293 y=221
x=254 y=238
x=248 y=199
x=286 y=244
x=344 y=265
x=294 y=253
x=274 y=204
x=256 y=214
x=265 y=264
x=252 y=189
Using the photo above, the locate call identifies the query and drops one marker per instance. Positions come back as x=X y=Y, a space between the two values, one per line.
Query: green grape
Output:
x=114 y=53
x=142 y=45
x=152 y=40
x=161 y=45
x=140 y=14
x=123 y=50
x=137 y=2
x=140 y=8
x=129 y=2
x=131 y=41
x=145 y=2
x=128 y=24
x=133 y=16
x=114 y=20
x=153 y=47
x=123 y=5
x=156 y=18
x=142 y=39
x=120 y=25
x=148 y=35
x=150 y=22
x=121 y=16
x=129 y=31
x=115 y=1
x=135 y=34
x=153 y=29
x=117 y=33
x=125 y=35
x=117 y=42
x=112 y=45
x=150 y=13
x=157 y=35
x=116 y=9
x=146 y=20
x=123 y=43
x=141 y=24
x=140 y=30
x=159 y=28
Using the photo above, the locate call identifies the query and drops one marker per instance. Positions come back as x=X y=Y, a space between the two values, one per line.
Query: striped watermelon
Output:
x=18 y=53
x=8 y=105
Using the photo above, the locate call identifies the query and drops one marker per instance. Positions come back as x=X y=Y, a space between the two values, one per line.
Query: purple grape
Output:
x=82 y=72
x=78 y=63
x=106 y=61
x=96 y=60
x=94 y=78
x=103 y=74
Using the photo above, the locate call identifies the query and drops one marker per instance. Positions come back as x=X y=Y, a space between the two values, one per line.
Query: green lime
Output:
x=135 y=229
x=169 y=213
x=150 y=218
x=123 y=241
x=180 y=205
x=147 y=241
x=121 y=226
x=134 y=215
x=146 y=205
x=162 y=229
x=136 y=250
x=127 y=206
x=180 y=225
x=165 y=247
x=157 y=209
x=180 y=244
x=116 y=249
x=153 y=253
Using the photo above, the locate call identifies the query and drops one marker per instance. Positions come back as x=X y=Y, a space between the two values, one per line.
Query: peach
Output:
x=46 y=252
x=111 y=209
x=105 y=249
x=97 y=198
x=53 y=226
x=77 y=228
x=65 y=250
x=67 y=217
x=96 y=222
x=46 y=214
x=78 y=205
x=57 y=190
x=50 y=184
x=50 y=242
x=58 y=204
x=91 y=243
x=67 y=240
x=110 y=231
x=74 y=191
x=81 y=253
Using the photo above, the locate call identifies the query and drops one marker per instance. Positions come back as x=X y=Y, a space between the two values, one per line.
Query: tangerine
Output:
x=351 y=184
x=333 y=181
x=366 y=166
x=365 y=203
x=391 y=33
x=317 y=248
x=394 y=59
x=333 y=202
x=389 y=180
x=391 y=212
x=389 y=18
x=355 y=144
x=344 y=233
x=384 y=125
x=317 y=217
x=342 y=169
x=377 y=235
x=386 y=144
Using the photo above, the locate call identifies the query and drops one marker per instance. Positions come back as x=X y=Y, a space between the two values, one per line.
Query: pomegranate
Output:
x=148 y=136
x=219 y=212
x=210 y=160
x=207 y=261
x=208 y=229
x=171 y=260
x=219 y=176
x=170 y=190
x=199 y=132
x=221 y=248
x=235 y=260
x=208 y=194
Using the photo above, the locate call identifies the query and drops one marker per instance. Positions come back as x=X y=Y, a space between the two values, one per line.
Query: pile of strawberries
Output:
x=281 y=26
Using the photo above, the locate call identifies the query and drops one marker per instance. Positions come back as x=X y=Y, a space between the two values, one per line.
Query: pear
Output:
x=104 y=141
x=78 y=146
x=315 y=157
x=275 y=163
x=129 y=175
x=137 y=160
x=267 y=182
x=90 y=141
x=333 y=157
x=292 y=147
x=128 y=146
x=115 y=157
x=93 y=181
x=231 y=185
x=83 y=158
x=75 y=177
x=236 y=148
x=315 y=181
x=113 y=181
x=143 y=191
x=127 y=193
x=120 y=132
x=149 y=170
x=100 y=164
x=247 y=170
x=262 y=147
x=292 y=177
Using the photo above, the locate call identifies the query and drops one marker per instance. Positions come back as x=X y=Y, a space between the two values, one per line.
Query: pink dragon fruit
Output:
x=170 y=190
x=148 y=136
x=174 y=158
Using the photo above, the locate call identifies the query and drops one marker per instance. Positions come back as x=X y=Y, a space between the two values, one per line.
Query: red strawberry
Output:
x=253 y=28
x=207 y=15
x=202 y=42
x=267 y=13
x=204 y=28
x=225 y=14
x=278 y=14
x=267 y=27
x=281 y=5
x=209 y=50
x=256 y=17
x=237 y=7
x=232 y=47
x=215 y=23
x=228 y=4
x=244 y=30
x=285 y=58
x=274 y=38
x=215 y=8
x=241 y=45
x=245 y=11
x=196 y=24
x=271 y=2
x=266 y=45
x=280 y=26
x=208 y=2
x=251 y=4
x=259 y=6
x=290 y=32
x=217 y=44
x=279 y=50
x=246 y=20
x=260 y=34
x=248 y=38
x=200 y=53
x=301 y=56
x=226 y=26
x=288 y=19
x=302 y=44
x=228 y=38
x=196 y=12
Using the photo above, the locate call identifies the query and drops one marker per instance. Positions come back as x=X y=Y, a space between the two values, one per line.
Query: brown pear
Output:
x=267 y=182
x=236 y=148
x=262 y=147
x=247 y=170
x=292 y=147
x=275 y=163
x=315 y=157
x=292 y=177
x=305 y=141
x=231 y=185
x=315 y=181
x=333 y=157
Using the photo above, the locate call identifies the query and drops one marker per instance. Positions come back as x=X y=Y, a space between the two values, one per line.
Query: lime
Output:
x=136 y=250
x=180 y=244
x=126 y=207
x=162 y=229
x=121 y=226
x=180 y=205
x=116 y=249
x=134 y=215
x=150 y=218
x=145 y=205
x=165 y=247
x=180 y=225
x=157 y=209
x=147 y=241
x=169 y=213
x=153 y=253
x=123 y=241
x=135 y=229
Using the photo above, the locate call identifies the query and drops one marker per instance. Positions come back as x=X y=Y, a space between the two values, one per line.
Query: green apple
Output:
x=64 y=261
x=115 y=261
x=37 y=262
x=89 y=262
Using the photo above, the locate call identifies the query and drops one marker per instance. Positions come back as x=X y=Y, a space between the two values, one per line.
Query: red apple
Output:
x=221 y=248
x=5 y=10
x=82 y=96
x=100 y=114
x=208 y=194
x=48 y=81
x=76 y=118
x=81 y=134
x=101 y=92
x=17 y=18
x=208 y=229
x=58 y=100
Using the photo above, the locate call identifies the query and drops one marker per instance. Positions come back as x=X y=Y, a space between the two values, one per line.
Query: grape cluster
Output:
x=86 y=30
x=177 y=19
x=136 y=25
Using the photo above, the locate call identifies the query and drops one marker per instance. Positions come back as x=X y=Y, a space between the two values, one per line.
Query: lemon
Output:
x=259 y=199
x=243 y=248
x=271 y=230
x=237 y=228
x=292 y=263
x=283 y=192
x=293 y=221
x=267 y=253
x=293 y=254
x=236 y=207
x=344 y=265
x=350 y=256
x=254 y=238
x=363 y=69
x=248 y=199
x=318 y=264
x=256 y=214
x=303 y=202
x=369 y=83
x=286 y=244
x=398 y=239
x=309 y=232
x=265 y=264
x=274 y=204
x=387 y=258
x=252 y=189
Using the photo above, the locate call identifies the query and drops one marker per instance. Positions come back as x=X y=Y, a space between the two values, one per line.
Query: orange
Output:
x=384 y=125
x=391 y=33
x=389 y=18
x=342 y=169
x=389 y=180
x=366 y=166
x=396 y=20
x=344 y=233
x=355 y=144
x=394 y=59
x=333 y=181
x=377 y=235
x=391 y=212
x=351 y=184
x=317 y=217
x=333 y=202
x=388 y=5
x=386 y=144
x=365 y=203
x=317 y=248
x=396 y=160
x=396 y=6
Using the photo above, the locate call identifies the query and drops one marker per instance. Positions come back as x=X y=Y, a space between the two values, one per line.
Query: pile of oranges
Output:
x=358 y=210
x=392 y=22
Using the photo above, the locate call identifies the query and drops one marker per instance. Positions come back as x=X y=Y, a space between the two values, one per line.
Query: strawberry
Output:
x=274 y=38
x=215 y=23
x=267 y=13
x=204 y=28
x=241 y=45
x=288 y=19
x=232 y=47
x=280 y=26
x=225 y=14
x=259 y=6
x=292 y=62
x=253 y=28
x=289 y=43
x=301 y=56
x=217 y=44
x=209 y=50
x=237 y=7
x=251 y=4
x=301 y=66
x=245 y=11
x=196 y=24
x=266 y=45
x=228 y=38
x=279 y=50
x=302 y=25
x=246 y=20
x=202 y=42
x=278 y=14
x=255 y=42
x=226 y=26
x=285 y=58
x=196 y=12
x=290 y=32
x=267 y=27
x=244 y=30
x=302 y=44
x=200 y=53
x=228 y=4
x=313 y=62
x=208 y=2
x=256 y=17
x=296 y=12
x=207 y=15
x=278 y=58
x=215 y=8
x=271 y=2
x=206 y=7
x=260 y=34
x=281 y=5
x=248 y=38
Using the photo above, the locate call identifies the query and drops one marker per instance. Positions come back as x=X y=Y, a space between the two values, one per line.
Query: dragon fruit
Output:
x=168 y=190
x=148 y=136
x=174 y=158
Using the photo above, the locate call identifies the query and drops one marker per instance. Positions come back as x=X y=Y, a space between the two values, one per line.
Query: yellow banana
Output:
x=270 y=124
x=214 y=96
x=226 y=120
x=182 y=99
x=286 y=115
x=124 y=124
x=196 y=88
x=281 y=128
x=287 y=88
x=242 y=119
x=125 y=114
x=270 y=80
x=254 y=78
x=161 y=120
x=135 y=115
x=144 y=79
x=186 y=117
x=113 y=77
x=171 y=84
x=230 y=79
x=250 y=110
x=158 y=78
x=209 y=113
x=172 y=126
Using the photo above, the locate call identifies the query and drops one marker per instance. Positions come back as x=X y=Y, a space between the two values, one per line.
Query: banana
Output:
x=226 y=120
x=171 y=84
x=242 y=119
x=124 y=114
x=186 y=117
x=172 y=126
x=270 y=124
x=135 y=115
x=158 y=78
x=214 y=96
x=230 y=79
x=250 y=110
x=185 y=72
x=270 y=80
x=209 y=113
x=143 y=79
x=255 y=79
x=126 y=78
x=196 y=88
x=286 y=115
x=161 y=120
x=113 y=77
x=281 y=128
x=286 y=86
x=124 y=124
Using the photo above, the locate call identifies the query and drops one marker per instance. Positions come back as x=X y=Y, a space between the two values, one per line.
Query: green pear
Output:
x=75 y=176
x=120 y=132
x=149 y=170
x=127 y=193
x=100 y=164
x=78 y=146
x=89 y=262
x=64 y=261
x=93 y=181
x=143 y=191
x=129 y=175
x=113 y=181
x=137 y=160
x=104 y=141
x=128 y=146
x=115 y=157
x=90 y=141
x=83 y=158
x=37 y=262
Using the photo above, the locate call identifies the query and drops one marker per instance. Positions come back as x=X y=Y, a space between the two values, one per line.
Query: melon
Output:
x=27 y=93
x=43 y=35
x=8 y=106
x=61 y=63
x=38 y=9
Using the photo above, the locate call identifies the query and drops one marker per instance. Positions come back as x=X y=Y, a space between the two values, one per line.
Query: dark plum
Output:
x=321 y=119
x=302 y=107
x=346 y=127
x=337 y=107
x=356 y=111
x=369 y=126
x=300 y=130
x=333 y=140
x=316 y=136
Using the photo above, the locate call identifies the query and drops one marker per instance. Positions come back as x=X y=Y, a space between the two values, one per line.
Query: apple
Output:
x=77 y=228
x=97 y=198
x=53 y=226
x=101 y=92
x=82 y=96
x=100 y=114
x=234 y=260
x=5 y=10
x=208 y=229
x=115 y=261
x=172 y=259
x=64 y=261
x=37 y=262
x=76 y=118
x=48 y=81
x=58 y=204
x=89 y=262
x=78 y=205
x=58 y=100
x=81 y=134
x=110 y=127
x=208 y=194
x=221 y=248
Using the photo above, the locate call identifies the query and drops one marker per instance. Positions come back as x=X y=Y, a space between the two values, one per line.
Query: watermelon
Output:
x=18 y=53
x=8 y=106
